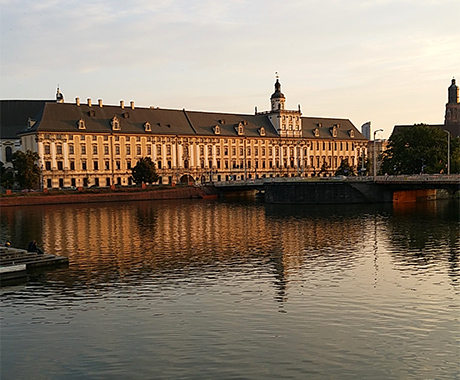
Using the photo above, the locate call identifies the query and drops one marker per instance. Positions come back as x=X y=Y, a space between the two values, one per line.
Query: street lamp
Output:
x=448 y=151
x=375 y=161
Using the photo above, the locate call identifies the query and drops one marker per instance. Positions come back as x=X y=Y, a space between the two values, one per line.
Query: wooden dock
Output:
x=17 y=264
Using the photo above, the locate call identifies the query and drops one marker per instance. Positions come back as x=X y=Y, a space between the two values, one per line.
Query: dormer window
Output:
x=147 y=127
x=352 y=133
x=316 y=132
x=334 y=131
x=239 y=129
x=222 y=121
x=30 y=123
x=216 y=130
x=115 y=123
x=81 y=124
x=262 y=131
x=92 y=113
x=125 y=115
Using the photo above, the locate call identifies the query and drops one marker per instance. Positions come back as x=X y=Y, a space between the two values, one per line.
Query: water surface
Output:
x=235 y=290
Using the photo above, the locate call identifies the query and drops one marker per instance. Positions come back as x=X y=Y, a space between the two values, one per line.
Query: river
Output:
x=233 y=289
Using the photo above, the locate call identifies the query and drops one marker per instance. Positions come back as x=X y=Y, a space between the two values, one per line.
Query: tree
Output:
x=26 y=167
x=417 y=149
x=6 y=176
x=345 y=169
x=144 y=171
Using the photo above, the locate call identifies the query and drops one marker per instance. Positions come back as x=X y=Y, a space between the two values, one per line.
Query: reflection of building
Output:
x=452 y=114
x=96 y=144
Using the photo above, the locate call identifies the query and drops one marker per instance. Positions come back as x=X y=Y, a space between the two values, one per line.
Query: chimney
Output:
x=89 y=102
x=77 y=102
x=100 y=102
x=132 y=104
x=122 y=104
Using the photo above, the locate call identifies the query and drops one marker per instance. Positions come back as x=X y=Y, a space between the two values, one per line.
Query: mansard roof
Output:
x=64 y=118
x=14 y=115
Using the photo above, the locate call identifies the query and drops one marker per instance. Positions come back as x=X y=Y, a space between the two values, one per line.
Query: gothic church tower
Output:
x=453 y=106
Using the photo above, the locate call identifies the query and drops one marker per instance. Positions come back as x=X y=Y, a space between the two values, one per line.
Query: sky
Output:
x=385 y=61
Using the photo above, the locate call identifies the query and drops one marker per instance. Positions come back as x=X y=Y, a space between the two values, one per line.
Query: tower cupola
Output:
x=59 y=96
x=277 y=99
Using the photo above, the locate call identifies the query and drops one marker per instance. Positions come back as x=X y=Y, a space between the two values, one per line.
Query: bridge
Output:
x=343 y=189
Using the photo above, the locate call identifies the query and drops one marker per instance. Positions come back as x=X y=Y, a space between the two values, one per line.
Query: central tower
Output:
x=288 y=123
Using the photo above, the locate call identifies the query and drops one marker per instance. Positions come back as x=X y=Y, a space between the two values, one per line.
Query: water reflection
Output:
x=131 y=241
x=243 y=290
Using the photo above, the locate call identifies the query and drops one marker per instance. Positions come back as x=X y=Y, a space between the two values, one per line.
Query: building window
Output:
x=138 y=150
x=84 y=166
x=147 y=127
x=149 y=150
x=60 y=166
x=96 y=165
x=83 y=149
x=168 y=150
x=72 y=165
x=118 y=164
x=128 y=149
x=117 y=150
x=94 y=149
x=47 y=149
x=94 y=137
x=158 y=150
x=8 y=154
x=128 y=164
x=107 y=165
x=48 y=165
x=81 y=124
x=59 y=149
x=106 y=150
x=71 y=149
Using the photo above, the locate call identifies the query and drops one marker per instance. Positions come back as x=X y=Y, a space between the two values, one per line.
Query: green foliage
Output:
x=6 y=176
x=144 y=171
x=419 y=149
x=345 y=169
x=27 y=170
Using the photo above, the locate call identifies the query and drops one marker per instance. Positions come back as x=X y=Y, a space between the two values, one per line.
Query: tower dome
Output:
x=277 y=93
x=277 y=99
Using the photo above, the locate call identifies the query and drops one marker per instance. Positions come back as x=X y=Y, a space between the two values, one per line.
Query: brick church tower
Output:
x=452 y=117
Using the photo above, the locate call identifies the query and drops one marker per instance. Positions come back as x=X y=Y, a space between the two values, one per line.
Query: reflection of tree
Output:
x=418 y=230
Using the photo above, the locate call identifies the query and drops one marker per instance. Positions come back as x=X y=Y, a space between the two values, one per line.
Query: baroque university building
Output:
x=95 y=144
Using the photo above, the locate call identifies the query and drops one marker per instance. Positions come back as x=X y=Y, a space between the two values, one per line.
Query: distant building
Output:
x=14 y=117
x=97 y=144
x=366 y=130
x=452 y=114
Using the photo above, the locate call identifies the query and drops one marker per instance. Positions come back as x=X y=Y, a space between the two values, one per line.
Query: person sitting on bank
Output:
x=32 y=247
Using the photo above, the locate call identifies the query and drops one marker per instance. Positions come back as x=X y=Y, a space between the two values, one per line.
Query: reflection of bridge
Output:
x=342 y=189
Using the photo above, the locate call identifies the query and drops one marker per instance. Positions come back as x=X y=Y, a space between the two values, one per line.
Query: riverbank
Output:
x=106 y=195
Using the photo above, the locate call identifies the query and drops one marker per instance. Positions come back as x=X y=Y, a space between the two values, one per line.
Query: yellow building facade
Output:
x=84 y=144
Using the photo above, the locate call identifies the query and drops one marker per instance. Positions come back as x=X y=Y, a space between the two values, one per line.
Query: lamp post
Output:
x=375 y=161
x=448 y=152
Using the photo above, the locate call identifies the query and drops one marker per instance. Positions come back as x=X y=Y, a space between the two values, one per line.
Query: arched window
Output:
x=9 y=154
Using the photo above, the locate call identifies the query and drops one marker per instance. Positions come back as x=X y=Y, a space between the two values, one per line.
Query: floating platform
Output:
x=17 y=264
